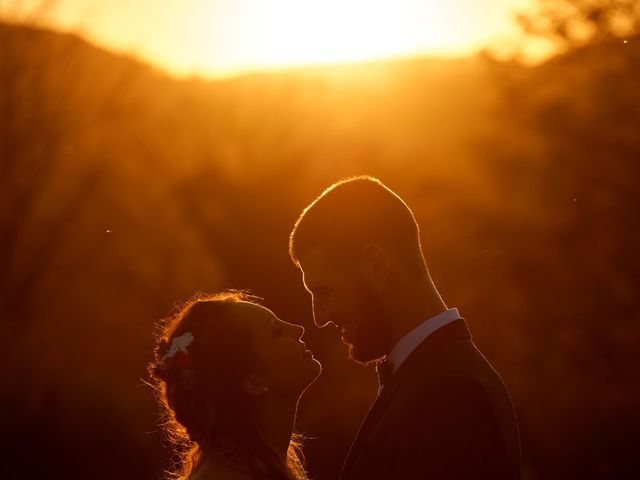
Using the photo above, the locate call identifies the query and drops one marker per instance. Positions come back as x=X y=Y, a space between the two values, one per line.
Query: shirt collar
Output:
x=415 y=337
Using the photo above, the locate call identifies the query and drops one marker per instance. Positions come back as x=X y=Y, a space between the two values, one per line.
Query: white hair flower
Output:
x=178 y=344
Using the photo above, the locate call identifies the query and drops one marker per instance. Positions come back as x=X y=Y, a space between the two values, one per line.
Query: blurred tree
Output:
x=93 y=247
x=567 y=171
x=572 y=23
x=35 y=123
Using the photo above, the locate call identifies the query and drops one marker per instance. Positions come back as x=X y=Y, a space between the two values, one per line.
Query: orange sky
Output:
x=216 y=38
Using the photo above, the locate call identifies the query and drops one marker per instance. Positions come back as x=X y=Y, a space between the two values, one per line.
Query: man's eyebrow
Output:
x=307 y=286
x=312 y=288
x=320 y=290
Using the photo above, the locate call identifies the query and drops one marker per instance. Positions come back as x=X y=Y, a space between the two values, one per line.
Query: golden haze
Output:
x=228 y=37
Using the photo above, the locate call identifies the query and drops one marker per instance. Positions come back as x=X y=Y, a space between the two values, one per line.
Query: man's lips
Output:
x=340 y=325
x=345 y=330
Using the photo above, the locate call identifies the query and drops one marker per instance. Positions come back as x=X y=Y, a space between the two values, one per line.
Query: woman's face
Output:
x=286 y=366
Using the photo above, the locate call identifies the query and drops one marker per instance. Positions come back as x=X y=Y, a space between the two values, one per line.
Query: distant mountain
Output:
x=428 y=108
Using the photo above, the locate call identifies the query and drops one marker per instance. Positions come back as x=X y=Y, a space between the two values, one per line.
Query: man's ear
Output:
x=254 y=385
x=375 y=264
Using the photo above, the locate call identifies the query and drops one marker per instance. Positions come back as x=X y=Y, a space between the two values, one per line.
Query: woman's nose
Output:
x=296 y=331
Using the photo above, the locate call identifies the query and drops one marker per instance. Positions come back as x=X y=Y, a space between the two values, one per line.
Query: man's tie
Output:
x=384 y=369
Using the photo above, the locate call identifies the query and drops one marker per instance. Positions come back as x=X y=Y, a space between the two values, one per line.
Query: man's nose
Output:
x=320 y=317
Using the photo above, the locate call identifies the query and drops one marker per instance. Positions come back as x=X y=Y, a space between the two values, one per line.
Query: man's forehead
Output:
x=317 y=272
x=318 y=260
x=312 y=258
x=314 y=265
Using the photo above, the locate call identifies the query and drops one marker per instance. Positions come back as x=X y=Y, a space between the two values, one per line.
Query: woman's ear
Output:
x=255 y=385
x=375 y=265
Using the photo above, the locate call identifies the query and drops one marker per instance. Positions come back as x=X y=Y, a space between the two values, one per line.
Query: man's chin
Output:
x=363 y=348
x=353 y=351
x=361 y=356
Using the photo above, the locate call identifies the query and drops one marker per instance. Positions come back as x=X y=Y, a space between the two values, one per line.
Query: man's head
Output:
x=356 y=244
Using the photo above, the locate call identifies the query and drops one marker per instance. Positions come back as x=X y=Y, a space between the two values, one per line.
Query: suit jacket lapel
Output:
x=453 y=331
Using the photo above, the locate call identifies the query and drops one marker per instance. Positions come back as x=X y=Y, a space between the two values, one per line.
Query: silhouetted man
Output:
x=442 y=411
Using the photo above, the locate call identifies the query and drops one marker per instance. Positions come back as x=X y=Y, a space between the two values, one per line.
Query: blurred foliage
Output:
x=569 y=165
x=573 y=23
x=123 y=191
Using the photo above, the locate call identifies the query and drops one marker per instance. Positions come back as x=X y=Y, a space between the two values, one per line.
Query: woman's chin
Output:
x=315 y=369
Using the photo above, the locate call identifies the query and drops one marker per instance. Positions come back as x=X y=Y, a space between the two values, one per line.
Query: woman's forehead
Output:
x=253 y=313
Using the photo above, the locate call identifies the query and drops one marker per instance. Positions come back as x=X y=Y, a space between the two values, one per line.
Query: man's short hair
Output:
x=355 y=212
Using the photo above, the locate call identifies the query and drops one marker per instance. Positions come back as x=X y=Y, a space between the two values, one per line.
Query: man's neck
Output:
x=412 y=309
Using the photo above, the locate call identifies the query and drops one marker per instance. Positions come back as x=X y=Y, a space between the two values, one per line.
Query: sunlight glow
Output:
x=225 y=37
x=294 y=32
x=291 y=31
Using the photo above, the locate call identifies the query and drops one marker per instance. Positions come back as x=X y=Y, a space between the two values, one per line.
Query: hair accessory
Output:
x=179 y=346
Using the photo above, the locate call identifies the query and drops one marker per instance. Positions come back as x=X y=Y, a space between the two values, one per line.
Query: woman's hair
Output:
x=202 y=355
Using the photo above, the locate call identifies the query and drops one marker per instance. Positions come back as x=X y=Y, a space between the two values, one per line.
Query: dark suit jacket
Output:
x=444 y=414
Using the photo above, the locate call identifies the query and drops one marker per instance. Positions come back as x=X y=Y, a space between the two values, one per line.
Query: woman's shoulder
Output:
x=215 y=471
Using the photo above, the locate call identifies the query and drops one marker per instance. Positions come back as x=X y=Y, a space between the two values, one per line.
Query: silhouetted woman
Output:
x=229 y=375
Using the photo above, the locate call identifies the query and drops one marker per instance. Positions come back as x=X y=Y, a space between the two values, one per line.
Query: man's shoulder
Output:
x=458 y=364
x=445 y=392
x=455 y=378
x=457 y=359
x=448 y=407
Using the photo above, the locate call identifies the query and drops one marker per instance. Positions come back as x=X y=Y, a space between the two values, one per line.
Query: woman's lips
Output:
x=305 y=352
